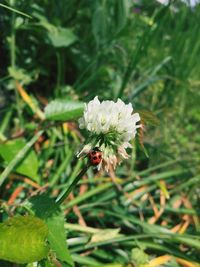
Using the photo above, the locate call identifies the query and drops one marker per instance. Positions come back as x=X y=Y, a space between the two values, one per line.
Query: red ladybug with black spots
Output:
x=95 y=156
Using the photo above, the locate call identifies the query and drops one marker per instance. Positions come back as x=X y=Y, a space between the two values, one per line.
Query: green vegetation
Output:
x=56 y=55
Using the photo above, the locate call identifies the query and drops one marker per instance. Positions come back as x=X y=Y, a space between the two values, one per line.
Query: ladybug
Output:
x=95 y=156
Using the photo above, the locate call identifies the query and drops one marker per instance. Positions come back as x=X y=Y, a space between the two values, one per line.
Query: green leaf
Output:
x=27 y=166
x=45 y=208
x=23 y=239
x=61 y=37
x=138 y=256
x=56 y=36
x=122 y=9
x=64 y=110
x=20 y=75
x=103 y=235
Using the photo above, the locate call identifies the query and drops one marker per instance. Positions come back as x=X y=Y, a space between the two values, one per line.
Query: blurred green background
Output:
x=143 y=52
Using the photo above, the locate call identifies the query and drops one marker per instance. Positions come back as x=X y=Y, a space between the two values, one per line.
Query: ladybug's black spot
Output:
x=94 y=158
x=99 y=156
x=93 y=152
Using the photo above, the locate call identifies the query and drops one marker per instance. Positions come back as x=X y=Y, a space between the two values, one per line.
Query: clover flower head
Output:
x=112 y=125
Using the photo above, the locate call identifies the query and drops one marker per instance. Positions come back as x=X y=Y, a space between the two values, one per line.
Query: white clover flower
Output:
x=112 y=125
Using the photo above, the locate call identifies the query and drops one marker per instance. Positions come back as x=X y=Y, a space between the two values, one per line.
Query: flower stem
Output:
x=63 y=196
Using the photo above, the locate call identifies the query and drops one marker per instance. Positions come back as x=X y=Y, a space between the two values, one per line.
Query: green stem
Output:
x=59 y=73
x=93 y=192
x=15 y=10
x=79 y=228
x=12 y=38
x=5 y=122
x=63 y=196
x=21 y=154
x=13 y=57
x=60 y=170
x=12 y=44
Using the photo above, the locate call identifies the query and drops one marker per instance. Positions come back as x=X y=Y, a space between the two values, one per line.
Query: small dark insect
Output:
x=95 y=156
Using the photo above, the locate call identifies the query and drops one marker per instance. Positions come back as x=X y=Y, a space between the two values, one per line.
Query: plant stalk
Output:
x=63 y=196
x=13 y=57
x=20 y=156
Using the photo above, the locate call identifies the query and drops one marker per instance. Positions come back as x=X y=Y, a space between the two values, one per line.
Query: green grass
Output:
x=144 y=53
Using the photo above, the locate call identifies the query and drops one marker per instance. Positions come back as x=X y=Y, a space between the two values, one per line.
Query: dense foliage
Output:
x=59 y=54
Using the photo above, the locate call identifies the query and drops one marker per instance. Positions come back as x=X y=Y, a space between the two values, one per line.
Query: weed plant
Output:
x=60 y=54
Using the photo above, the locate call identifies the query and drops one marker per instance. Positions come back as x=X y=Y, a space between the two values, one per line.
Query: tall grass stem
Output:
x=63 y=196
